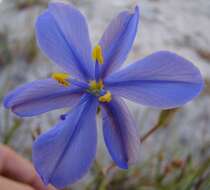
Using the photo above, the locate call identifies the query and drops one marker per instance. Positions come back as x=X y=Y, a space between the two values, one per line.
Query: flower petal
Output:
x=117 y=40
x=120 y=133
x=163 y=79
x=65 y=153
x=41 y=96
x=62 y=34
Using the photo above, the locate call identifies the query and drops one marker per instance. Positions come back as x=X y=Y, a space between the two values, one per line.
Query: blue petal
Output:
x=65 y=153
x=163 y=80
x=120 y=133
x=117 y=40
x=41 y=96
x=62 y=34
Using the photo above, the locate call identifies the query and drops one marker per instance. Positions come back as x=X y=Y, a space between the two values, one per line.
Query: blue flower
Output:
x=95 y=78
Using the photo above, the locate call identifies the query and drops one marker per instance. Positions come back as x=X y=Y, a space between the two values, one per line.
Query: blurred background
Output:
x=174 y=157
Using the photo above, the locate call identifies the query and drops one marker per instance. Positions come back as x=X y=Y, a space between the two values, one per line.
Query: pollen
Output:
x=106 y=97
x=61 y=78
x=97 y=54
x=96 y=86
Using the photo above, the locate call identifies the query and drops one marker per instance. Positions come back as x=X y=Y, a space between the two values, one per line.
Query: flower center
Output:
x=97 y=89
x=107 y=97
x=96 y=86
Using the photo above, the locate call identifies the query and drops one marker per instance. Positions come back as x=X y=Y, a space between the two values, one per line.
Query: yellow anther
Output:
x=96 y=86
x=61 y=78
x=97 y=54
x=106 y=97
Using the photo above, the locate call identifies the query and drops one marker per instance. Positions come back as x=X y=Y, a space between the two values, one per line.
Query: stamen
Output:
x=97 y=54
x=106 y=97
x=61 y=78
x=96 y=86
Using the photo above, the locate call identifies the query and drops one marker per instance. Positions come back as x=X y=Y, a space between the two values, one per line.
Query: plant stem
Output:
x=151 y=131
x=11 y=131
